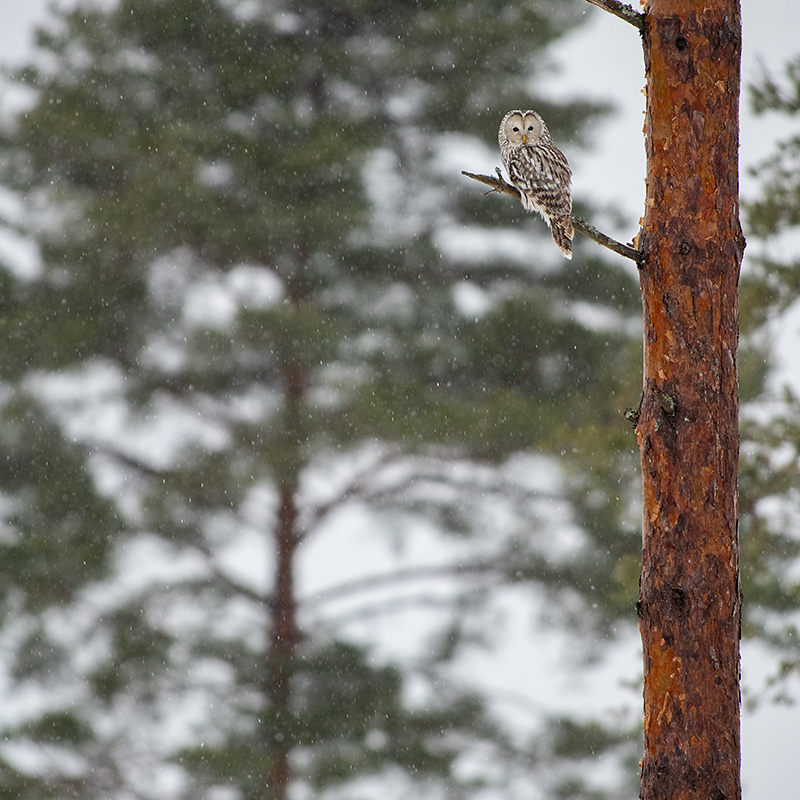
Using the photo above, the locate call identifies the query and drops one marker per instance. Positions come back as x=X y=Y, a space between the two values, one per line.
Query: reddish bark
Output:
x=689 y=605
x=284 y=633
x=284 y=636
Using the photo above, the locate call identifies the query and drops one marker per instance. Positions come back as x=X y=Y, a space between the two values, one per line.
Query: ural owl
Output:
x=540 y=171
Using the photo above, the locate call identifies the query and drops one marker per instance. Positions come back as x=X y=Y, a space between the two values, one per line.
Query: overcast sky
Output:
x=604 y=60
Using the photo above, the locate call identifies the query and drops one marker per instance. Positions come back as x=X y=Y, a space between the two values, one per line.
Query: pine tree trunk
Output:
x=689 y=602
x=284 y=633
x=284 y=636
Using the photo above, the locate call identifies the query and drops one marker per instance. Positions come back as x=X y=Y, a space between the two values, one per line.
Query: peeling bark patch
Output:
x=664 y=688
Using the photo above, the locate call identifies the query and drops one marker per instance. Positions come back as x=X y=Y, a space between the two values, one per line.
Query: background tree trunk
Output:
x=284 y=633
x=689 y=603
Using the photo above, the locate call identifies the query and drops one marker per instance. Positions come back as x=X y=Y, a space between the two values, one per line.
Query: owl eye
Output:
x=515 y=129
x=530 y=127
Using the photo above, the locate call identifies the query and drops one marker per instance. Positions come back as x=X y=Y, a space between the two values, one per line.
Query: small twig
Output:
x=580 y=225
x=622 y=11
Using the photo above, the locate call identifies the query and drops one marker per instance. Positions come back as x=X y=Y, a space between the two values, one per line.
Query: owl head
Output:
x=522 y=127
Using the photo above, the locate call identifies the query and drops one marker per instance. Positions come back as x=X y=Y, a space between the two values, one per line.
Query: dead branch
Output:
x=622 y=11
x=580 y=225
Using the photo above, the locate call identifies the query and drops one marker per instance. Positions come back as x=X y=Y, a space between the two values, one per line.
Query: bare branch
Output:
x=219 y=574
x=622 y=11
x=384 y=608
x=497 y=184
x=401 y=576
x=580 y=225
x=359 y=486
x=131 y=462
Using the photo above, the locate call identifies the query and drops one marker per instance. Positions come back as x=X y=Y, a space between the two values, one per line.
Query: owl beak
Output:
x=524 y=139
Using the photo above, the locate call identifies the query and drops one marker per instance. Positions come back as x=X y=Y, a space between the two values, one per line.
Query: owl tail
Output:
x=561 y=228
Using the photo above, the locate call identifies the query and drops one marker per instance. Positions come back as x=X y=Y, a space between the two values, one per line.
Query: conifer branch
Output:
x=580 y=225
x=622 y=11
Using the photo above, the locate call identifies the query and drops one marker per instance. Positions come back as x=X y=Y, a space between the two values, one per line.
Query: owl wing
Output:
x=542 y=174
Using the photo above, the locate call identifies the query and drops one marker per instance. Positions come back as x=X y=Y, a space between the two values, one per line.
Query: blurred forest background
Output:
x=316 y=480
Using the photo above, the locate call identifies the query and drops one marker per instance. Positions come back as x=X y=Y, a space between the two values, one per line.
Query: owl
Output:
x=540 y=171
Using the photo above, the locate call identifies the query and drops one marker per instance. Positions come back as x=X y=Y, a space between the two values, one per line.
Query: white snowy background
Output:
x=603 y=60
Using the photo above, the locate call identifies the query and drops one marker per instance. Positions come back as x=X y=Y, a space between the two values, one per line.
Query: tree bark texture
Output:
x=687 y=429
